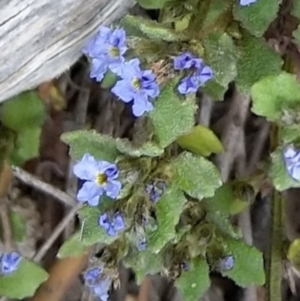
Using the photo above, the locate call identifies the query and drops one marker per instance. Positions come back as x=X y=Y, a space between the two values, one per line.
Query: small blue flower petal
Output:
x=113 y=189
x=141 y=244
x=118 y=222
x=247 y=2
x=91 y=276
x=104 y=221
x=10 y=262
x=204 y=74
x=186 y=60
x=226 y=263
x=112 y=225
x=102 y=288
x=86 y=168
x=291 y=157
x=188 y=85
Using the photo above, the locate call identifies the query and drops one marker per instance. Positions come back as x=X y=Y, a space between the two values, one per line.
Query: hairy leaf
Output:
x=279 y=174
x=149 y=149
x=172 y=116
x=73 y=247
x=194 y=282
x=256 y=61
x=246 y=258
x=143 y=263
x=201 y=141
x=275 y=93
x=168 y=210
x=197 y=176
x=102 y=147
x=23 y=282
x=257 y=17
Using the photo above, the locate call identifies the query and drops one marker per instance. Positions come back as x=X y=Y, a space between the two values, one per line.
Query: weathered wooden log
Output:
x=40 y=39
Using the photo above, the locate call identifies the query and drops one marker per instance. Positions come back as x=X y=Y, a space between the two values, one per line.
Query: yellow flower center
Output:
x=101 y=179
x=136 y=83
x=114 y=51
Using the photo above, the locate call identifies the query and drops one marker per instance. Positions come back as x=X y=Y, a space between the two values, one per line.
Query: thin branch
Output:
x=36 y=183
x=55 y=234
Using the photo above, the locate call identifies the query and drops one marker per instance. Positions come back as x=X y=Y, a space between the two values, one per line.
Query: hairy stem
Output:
x=275 y=244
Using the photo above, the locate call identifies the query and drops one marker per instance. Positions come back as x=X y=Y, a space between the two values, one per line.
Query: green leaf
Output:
x=296 y=34
x=168 y=211
x=144 y=263
x=257 y=17
x=275 y=93
x=154 y=30
x=23 y=282
x=73 y=247
x=293 y=253
x=252 y=66
x=248 y=266
x=91 y=233
x=279 y=174
x=295 y=11
x=194 y=282
x=27 y=145
x=149 y=149
x=221 y=56
x=153 y=4
x=225 y=201
x=102 y=147
x=24 y=110
x=290 y=133
x=201 y=141
x=197 y=176
x=172 y=116
x=216 y=13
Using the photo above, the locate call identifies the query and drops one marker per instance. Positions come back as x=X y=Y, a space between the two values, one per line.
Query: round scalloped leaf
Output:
x=72 y=247
x=257 y=16
x=252 y=66
x=248 y=266
x=195 y=281
x=279 y=174
x=168 y=211
x=23 y=282
x=197 y=176
x=221 y=56
x=101 y=146
x=172 y=116
x=275 y=93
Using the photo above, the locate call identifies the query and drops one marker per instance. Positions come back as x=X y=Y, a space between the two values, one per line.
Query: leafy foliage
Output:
x=172 y=116
x=28 y=278
x=168 y=211
x=195 y=175
x=246 y=257
x=73 y=247
x=194 y=282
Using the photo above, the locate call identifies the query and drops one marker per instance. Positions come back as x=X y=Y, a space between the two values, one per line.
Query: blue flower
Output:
x=112 y=225
x=139 y=86
x=106 y=50
x=191 y=83
x=155 y=190
x=247 y=2
x=186 y=60
x=291 y=157
x=99 y=283
x=101 y=178
x=10 y=262
x=91 y=276
x=226 y=263
x=101 y=289
x=185 y=266
x=141 y=243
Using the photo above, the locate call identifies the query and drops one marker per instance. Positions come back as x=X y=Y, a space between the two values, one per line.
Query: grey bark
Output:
x=40 y=39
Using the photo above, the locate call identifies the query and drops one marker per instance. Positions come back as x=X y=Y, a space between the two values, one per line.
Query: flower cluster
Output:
x=155 y=190
x=291 y=157
x=100 y=284
x=10 y=262
x=100 y=178
x=199 y=76
x=106 y=51
x=112 y=224
x=247 y=2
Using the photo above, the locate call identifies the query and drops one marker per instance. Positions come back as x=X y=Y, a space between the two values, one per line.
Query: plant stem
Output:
x=274 y=266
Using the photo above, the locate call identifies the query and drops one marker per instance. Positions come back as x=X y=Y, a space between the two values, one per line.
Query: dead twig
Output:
x=36 y=183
